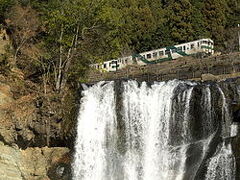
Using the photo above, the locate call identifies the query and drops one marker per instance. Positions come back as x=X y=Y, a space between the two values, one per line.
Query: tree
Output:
x=65 y=28
x=179 y=20
x=156 y=37
x=233 y=16
x=215 y=19
x=5 y=5
x=198 y=21
x=136 y=23
x=24 y=24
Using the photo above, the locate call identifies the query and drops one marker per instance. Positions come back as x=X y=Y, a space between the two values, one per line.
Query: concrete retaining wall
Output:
x=184 y=68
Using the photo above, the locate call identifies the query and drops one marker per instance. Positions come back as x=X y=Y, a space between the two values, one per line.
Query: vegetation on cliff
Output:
x=53 y=42
x=57 y=40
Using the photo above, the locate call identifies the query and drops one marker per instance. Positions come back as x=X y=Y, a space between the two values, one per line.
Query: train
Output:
x=201 y=47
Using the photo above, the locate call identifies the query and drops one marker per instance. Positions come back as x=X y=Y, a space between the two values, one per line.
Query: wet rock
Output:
x=60 y=171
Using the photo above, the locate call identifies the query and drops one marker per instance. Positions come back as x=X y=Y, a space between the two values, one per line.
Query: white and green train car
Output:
x=201 y=46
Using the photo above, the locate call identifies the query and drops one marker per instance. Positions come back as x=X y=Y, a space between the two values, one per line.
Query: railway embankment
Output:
x=209 y=68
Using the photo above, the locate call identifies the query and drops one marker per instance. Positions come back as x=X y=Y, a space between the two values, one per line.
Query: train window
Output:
x=167 y=51
x=192 y=46
x=198 y=44
x=179 y=48
x=149 y=56
x=160 y=53
x=174 y=50
x=105 y=66
x=155 y=54
x=126 y=61
x=144 y=56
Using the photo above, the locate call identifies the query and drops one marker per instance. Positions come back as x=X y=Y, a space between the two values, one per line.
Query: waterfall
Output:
x=225 y=115
x=164 y=132
x=96 y=133
x=222 y=164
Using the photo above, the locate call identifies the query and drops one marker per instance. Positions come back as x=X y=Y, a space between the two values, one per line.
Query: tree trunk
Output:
x=59 y=76
x=69 y=58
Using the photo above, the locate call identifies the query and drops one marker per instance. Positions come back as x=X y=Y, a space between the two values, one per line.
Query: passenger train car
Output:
x=201 y=46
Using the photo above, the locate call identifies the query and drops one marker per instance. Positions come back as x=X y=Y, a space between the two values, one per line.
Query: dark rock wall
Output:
x=231 y=89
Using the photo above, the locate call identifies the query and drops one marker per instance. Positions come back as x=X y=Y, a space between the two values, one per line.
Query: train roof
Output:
x=159 y=49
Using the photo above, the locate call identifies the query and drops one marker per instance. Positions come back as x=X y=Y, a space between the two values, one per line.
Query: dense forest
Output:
x=57 y=39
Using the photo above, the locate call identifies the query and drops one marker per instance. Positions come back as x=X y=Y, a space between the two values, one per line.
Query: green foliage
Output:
x=233 y=13
x=215 y=19
x=179 y=14
x=198 y=22
x=5 y=6
x=98 y=30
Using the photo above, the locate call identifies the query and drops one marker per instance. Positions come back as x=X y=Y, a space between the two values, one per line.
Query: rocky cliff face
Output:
x=28 y=121
x=37 y=131
x=28 y=125
x=23 y=136
x=35 y=139
x=30 y=164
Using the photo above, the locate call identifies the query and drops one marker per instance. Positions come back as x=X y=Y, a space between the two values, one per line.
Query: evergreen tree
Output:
x=159 y=36
x=198 y=22
x=179 y=20
x=4 y=7
x=233 y=17
x=215 y=19
x=133 y=21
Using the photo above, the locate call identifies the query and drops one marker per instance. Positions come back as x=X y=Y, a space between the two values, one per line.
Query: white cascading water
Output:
x=222 y=164
x=207 y=103
x=158 y=139
x=147 y=112
x=186 y=126
x=225 y=115
x=95 y=141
